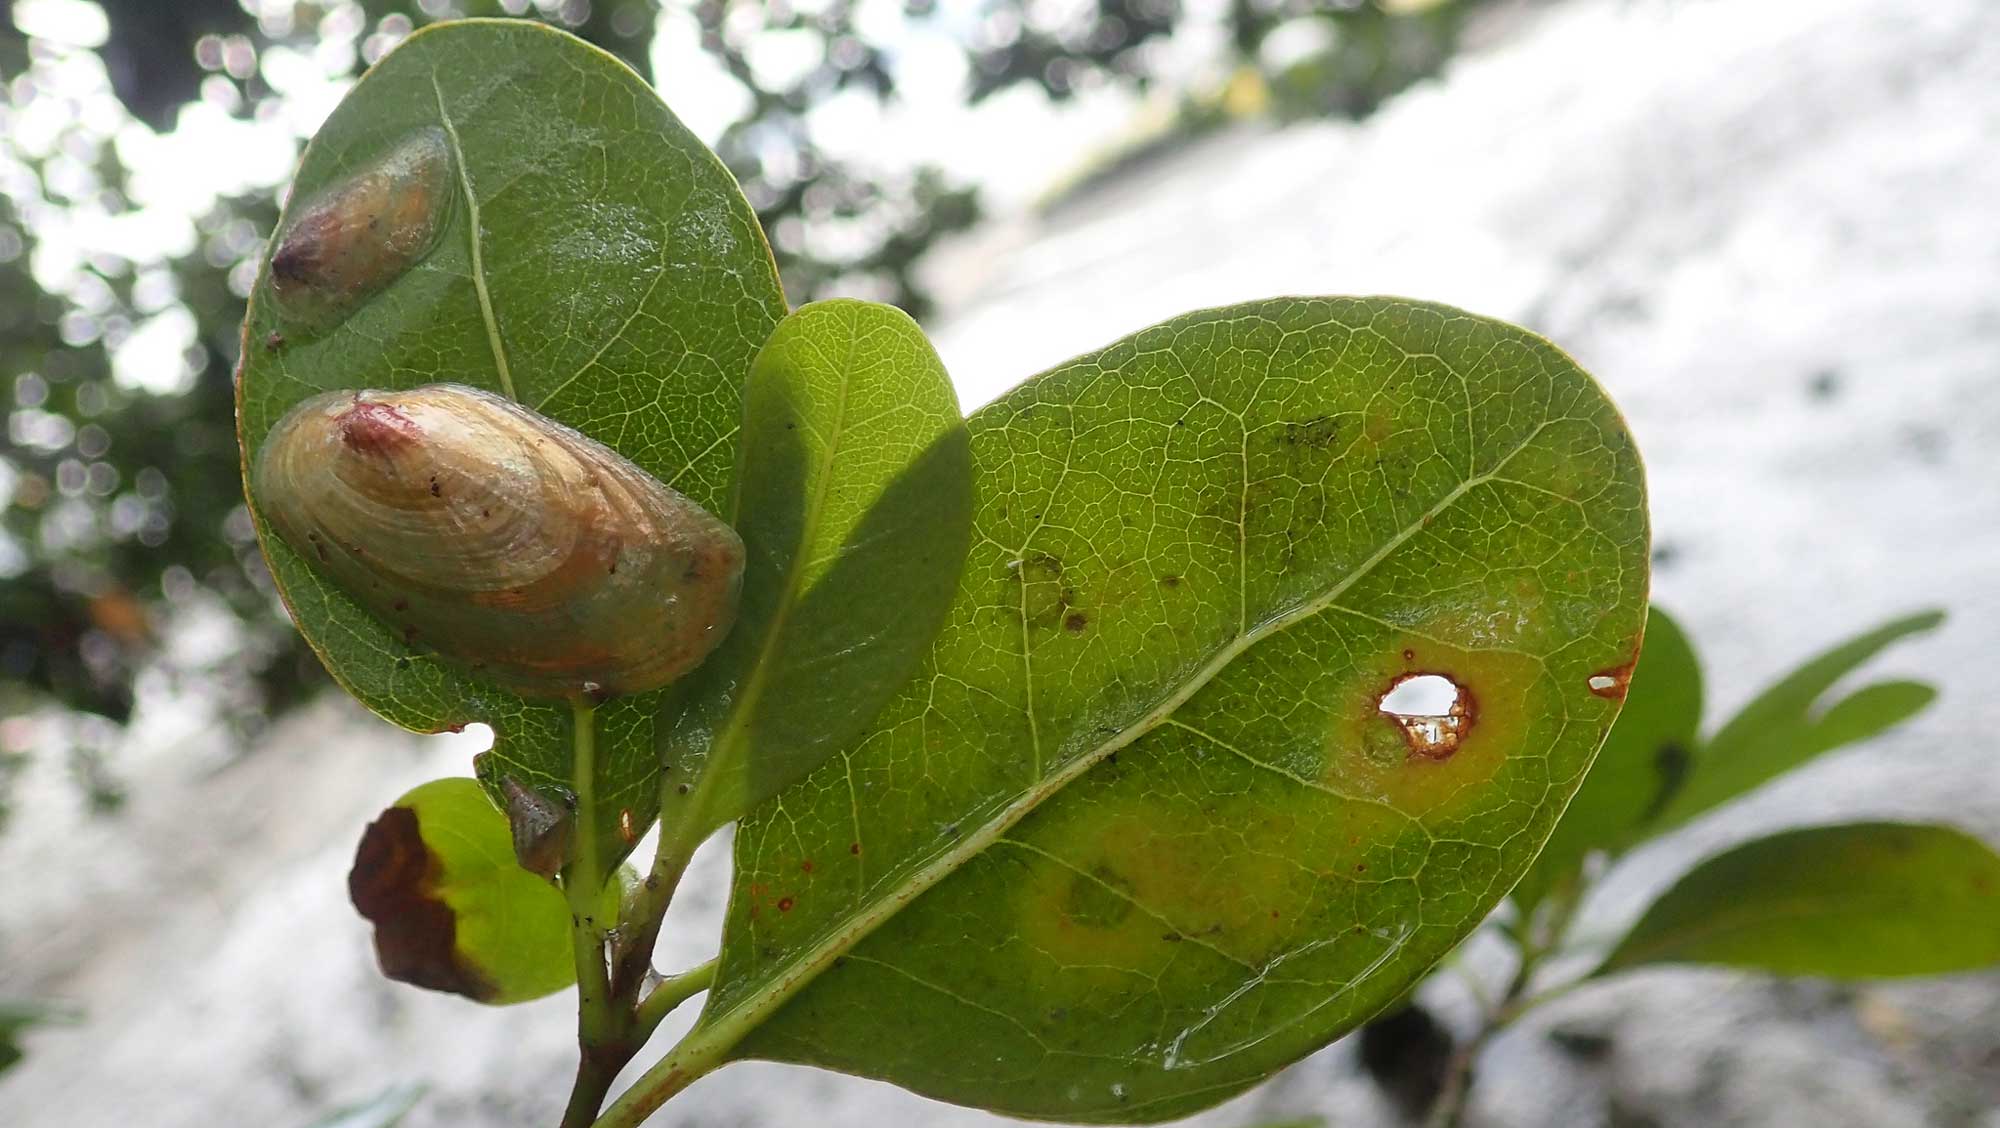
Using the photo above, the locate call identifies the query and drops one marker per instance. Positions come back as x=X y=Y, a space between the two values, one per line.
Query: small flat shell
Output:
x=501 y=539
x=358 y=236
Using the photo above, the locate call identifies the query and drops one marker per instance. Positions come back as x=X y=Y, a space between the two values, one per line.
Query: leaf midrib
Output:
x=718 y=1032
x=478 y=266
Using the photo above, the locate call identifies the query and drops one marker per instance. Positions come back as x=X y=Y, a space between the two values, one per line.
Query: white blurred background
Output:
x=1769 y=229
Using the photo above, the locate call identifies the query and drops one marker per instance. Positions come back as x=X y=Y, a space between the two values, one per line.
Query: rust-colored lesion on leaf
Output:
x=1428 y=762
x=395 y=884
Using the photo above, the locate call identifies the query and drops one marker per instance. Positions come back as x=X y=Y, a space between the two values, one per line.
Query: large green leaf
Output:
x=1780 y=729
x=1855 y=901
x=1139 y=833
x=594 y=260
x=1643 y=761
x=854 y=501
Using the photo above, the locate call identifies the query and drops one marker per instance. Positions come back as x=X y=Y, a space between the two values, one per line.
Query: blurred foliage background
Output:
x=127 y=564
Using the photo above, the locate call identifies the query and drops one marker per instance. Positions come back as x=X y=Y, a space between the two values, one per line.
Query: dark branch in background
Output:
x=127 y=506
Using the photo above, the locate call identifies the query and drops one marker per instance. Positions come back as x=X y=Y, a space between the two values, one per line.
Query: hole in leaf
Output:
x=1602 y=682
x=1434 y=712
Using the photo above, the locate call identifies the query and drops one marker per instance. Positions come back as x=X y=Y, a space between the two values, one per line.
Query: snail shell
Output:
x=505 y=541
x=363 y=233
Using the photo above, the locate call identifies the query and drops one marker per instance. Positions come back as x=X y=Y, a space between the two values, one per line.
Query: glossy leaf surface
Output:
x=1138 y=834
x=854 y=501
x=1786 y=726
x=1861 y=900
x=594 y=262
x=1644 y=760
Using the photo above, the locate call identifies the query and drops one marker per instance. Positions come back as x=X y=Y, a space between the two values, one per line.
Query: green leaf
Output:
x=1854 y=901
x=1643 y=761
x=593 y=259
x=1779 y=730
x=385 y=1109
x=1139 y=833
x=452 y=908
x=855 y=506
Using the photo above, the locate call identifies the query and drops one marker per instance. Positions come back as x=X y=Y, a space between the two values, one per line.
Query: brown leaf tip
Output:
x=394 y=885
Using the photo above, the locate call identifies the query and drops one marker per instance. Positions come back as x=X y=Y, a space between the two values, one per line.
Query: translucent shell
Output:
x=358 y=236
x=501 y=539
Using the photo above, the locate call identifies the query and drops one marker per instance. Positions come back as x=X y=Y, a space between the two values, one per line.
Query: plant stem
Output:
x=668 y=995
x=613 y=1022
x=632 y=962
x=600 y=1026
x=1534 y=945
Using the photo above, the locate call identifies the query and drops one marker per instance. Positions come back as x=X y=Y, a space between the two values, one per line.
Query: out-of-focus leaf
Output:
x=593 y=260
x=854 y=501
x=1642 y=762
x=1781 y=730
x=453 y=910
x=1852 y=901
x=18 y=1016
x=385 y=1109
x=1140 y=833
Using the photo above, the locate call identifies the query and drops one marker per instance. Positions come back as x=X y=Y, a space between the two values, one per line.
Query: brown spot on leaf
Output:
x=394 y=885
x=1611 y=684
x=854 y=848
x=784 y=904
x=1075 y=622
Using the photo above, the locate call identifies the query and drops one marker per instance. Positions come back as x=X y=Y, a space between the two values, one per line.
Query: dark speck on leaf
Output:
x=1076 y=622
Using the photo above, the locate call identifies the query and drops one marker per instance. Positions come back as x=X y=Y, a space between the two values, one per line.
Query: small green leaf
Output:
x=854 y=502
x=1854 y=901
x=1643 y=761
x=385 y=1109
x=1139 y=833
x=1779 y=730
x=452 y=908
x=593 y=260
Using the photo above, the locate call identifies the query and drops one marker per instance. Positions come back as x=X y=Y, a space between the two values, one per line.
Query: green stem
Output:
x=600 y=1026
x=632 y=963
x=669 y=994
